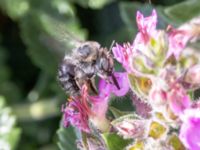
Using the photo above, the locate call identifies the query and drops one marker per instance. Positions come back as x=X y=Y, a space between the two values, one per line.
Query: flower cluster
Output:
x=81 y=110
x=162 y=72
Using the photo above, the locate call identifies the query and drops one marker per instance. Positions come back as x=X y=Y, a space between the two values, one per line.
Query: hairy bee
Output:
x=86 y=61
x=67 y=75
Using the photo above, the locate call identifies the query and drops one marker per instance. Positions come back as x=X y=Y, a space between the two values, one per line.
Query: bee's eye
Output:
x=104 y=64
x=93 y=61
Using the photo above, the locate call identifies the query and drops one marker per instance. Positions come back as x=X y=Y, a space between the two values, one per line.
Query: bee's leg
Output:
x=92 y=86
x=115 y=81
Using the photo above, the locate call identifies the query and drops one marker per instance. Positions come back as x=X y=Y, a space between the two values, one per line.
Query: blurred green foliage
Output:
x=9 y=134
x=35 y=35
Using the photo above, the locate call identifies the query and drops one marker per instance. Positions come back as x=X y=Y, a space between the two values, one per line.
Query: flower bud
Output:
x=131 y=128
x=192 y=76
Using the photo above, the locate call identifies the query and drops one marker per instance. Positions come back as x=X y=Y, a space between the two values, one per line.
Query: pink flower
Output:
x=106 y=88
x=80 y=110
x=99 y=108
x=100 y=102
x=166 y=93
x=158 y=97
x=146 y=26
x=196 y=104
x=190 y=129
x=75 y=114
x=192 y=76
x=77 y=111
x=122 y=54
x=178 y=99
x=142 y=108
x=177 y=41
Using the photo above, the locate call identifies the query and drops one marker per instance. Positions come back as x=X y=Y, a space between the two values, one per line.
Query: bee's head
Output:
x=105 y=64
x=87 y=52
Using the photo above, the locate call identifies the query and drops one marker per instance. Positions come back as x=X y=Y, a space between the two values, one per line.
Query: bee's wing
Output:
x=59 y=37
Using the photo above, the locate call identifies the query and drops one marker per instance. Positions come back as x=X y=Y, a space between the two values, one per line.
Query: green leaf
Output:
x=191 y=94
x=31 y=28
x=117 y=113
x=39 y=110
x=42 y=34
x=6 y=85
x=9 y=134
x=139 y=85
x=67 y=138
x=15 y=8
x=184 y=11
x=94 y=4
x=13 y=137
x=97 y=4
x=175 y=142
x=132 y=116
x=115 y=142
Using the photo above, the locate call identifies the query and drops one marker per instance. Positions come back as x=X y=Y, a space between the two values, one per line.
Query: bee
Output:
x=79 y=67
x=86 y=61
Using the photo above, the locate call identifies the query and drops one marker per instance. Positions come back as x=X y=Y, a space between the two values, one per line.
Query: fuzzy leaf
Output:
x=139 y=85
x=114 y=141
x=117 y=113
x=125 y=117
x=156 y=130
x=175 y=142
x=67 y=138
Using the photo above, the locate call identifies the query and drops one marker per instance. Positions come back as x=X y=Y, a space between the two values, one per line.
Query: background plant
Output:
x=33 y=42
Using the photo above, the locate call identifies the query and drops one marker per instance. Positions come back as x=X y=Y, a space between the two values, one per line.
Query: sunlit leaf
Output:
x=94 y=4
x=9 y=134
x=15 y=8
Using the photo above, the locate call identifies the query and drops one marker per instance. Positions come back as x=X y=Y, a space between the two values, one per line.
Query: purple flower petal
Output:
x=177 y=42
x=146 y=26
x=122 y=54
x=178 y=100
x=106 y=88
x=122 y=80
x=190 y=129
x=74 y=114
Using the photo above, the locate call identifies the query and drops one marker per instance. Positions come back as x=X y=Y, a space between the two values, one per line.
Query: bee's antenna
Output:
x=113 y=42
x=115 y=81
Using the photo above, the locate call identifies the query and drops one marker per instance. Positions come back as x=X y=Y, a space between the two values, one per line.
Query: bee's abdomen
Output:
x=66 y=78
